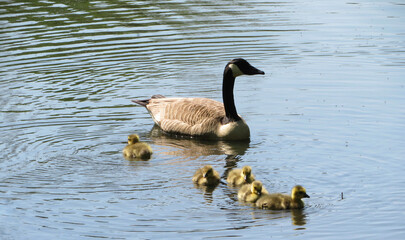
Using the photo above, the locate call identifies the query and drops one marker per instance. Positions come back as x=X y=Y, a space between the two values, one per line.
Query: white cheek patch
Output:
x=235 y=70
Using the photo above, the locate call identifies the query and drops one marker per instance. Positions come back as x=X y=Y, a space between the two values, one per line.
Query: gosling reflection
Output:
x=207 y=190
x=192 y=148
x=298 y=217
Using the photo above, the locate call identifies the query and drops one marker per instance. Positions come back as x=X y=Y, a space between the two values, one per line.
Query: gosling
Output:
x=136 y=149
x=238 y=177
x=251 y=192
x=206 y=176
x=278 y=201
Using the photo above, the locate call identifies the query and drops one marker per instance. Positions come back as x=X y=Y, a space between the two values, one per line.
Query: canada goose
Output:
x=204 y=117
x=278 y=201
x=237 y=177
x=206 y=176
x=251 y=192
x=136 y=149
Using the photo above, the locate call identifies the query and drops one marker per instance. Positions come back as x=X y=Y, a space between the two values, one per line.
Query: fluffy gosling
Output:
x=238 y=177
x=136 y=149
x=251 y=192
x=206 y=176
x=278 y=201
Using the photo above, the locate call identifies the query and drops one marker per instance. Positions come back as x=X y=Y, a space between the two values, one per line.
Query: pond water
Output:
x=329 y=115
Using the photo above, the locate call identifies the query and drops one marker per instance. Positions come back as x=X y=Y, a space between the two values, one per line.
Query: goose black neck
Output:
x=227 y=96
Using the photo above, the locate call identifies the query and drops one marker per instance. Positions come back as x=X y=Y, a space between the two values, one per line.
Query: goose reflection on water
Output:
x=193 y=148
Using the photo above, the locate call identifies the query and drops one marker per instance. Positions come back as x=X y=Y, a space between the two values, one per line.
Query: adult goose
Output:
x=203 y=117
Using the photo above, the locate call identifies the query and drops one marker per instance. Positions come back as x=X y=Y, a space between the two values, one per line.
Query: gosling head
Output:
x=299 y=192
x=208 y=171
x=256 y=187
x=240 y=66
x=133 y=138
x=246 y=172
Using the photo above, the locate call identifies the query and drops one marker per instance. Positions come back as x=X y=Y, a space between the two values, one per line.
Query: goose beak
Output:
x=306 y=196
x=254 y=71
x=259 y=72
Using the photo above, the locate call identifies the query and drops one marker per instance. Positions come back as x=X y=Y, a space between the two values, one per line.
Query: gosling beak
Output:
x=306 y=196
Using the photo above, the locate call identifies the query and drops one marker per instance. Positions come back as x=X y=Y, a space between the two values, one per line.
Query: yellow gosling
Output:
x=206 y=176
x=136 y=149
x=278 y=201
x=251 y=192
x=238 y=177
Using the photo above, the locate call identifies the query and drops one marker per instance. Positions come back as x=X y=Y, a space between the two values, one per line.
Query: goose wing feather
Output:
x=192 y=116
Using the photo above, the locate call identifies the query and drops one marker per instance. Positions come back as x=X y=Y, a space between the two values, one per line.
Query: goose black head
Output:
x=240 y=66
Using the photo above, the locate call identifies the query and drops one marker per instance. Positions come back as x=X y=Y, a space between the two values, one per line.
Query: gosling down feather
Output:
x=136 y=149
x=238 y=177
x=251 y=192
x=278 y=201
x=202 y=117
x=206 y=176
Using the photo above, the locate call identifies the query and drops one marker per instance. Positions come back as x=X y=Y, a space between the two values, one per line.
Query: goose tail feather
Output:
x=146 y=101
x=141 y=102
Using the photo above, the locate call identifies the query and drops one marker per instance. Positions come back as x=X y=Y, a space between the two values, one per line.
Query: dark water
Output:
x=329 y=114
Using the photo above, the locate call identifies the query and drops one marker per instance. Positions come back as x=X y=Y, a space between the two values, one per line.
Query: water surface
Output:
x=328 y=114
